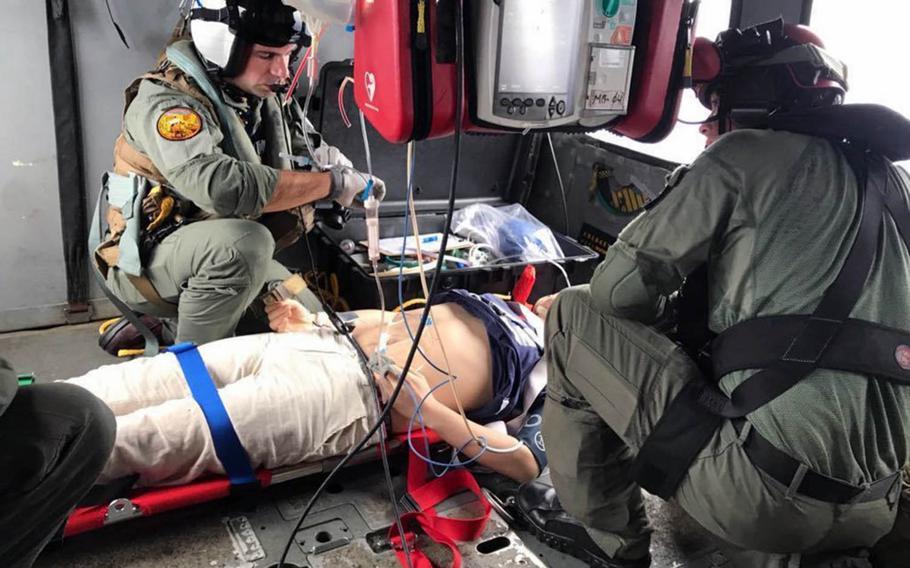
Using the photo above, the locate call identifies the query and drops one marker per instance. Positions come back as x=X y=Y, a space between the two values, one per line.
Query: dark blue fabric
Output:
x=530 y=433
x=513 y=344
x=228 y=448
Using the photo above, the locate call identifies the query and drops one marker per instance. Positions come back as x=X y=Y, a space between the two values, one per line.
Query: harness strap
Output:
x=784 y=468
x=195 y=71
x=228 y=448
x=94 y=241
x=681 y=432
x=859 y=346
x=698 y=410
x=145 y=287
x=807 y=347
x=425 y=495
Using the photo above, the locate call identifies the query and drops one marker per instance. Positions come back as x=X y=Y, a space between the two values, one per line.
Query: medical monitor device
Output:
x=551 y=63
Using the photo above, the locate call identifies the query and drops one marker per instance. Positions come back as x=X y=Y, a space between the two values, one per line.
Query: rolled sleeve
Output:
x=197 y=168
x=660 y=247
x=222 y=185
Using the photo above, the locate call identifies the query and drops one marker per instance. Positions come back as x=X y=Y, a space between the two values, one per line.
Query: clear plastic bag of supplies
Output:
x=511 y=232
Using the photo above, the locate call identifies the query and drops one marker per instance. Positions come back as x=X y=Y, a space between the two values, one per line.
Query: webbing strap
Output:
x=228 y=448
x=859 y=347
x=809 y=345
x=192 y=68
x=793 y=473
x=96 y=233
x=426 y=494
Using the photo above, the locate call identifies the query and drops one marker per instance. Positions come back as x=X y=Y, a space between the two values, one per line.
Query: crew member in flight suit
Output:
x=203 y=185
x=54 y=441
x=811 y=475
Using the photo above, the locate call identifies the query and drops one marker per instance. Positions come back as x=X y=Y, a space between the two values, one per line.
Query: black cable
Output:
x=116 y=25
x=407 y=215
x=339 y=325
x=459 y=95
x=343 y=329
x=562 y=188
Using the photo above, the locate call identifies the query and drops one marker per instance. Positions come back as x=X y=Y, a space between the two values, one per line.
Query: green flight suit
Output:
x=55 y=440
x=212 y=270
x=773 y=214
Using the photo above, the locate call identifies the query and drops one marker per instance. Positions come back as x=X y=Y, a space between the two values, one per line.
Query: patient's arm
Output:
x=520 y=464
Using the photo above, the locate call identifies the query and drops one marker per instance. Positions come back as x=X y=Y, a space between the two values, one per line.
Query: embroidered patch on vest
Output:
x=902 y=356
x=179 y=123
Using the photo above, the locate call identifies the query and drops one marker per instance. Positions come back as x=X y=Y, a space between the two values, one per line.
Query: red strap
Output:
x=427 y=492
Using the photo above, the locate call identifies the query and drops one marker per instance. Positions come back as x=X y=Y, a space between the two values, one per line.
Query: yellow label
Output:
x=627 y=199
x=422 y=17
x=179 y=123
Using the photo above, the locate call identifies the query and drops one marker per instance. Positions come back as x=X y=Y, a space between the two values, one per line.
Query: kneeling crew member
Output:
x=54 y=441
x=798 y=460
x=210 y=141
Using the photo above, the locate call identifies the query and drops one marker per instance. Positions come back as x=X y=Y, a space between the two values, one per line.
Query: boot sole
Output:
x=570 y=546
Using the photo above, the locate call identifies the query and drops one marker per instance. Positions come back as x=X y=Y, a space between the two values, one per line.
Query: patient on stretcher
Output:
x=303 y=395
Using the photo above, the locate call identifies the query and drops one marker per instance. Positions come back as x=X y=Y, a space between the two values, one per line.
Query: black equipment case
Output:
x=494 y=169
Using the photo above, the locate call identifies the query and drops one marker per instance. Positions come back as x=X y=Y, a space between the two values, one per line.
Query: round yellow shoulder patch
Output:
x=179 y=124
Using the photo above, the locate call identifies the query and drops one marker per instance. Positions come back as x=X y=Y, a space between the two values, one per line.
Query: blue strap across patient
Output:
x=228 y=448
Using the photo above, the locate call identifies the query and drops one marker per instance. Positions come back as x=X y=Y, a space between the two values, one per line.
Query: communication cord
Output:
x=459 y=80
x=383 y=434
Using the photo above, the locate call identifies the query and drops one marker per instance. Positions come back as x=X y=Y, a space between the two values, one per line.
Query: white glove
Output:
x=328 y=156
x=348 y=185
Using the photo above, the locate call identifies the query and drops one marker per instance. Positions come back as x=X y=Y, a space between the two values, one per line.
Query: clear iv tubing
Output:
x=309 y=144
x=423 y=281
x=311 y=88
x=404 y=319
x=366 y=144
x=417 y=415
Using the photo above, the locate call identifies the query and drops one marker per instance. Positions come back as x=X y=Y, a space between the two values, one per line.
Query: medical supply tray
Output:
x=493 y=169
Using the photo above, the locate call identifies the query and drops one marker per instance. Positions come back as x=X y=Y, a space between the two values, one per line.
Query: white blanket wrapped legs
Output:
x=292 y=397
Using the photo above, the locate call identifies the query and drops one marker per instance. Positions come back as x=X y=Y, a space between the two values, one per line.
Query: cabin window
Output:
x=684 y=143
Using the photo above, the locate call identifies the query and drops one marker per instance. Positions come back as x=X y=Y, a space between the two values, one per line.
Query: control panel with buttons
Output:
x=534 y=107
x=564 y=63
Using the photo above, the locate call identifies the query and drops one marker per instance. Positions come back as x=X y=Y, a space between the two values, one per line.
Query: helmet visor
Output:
x=269 y=22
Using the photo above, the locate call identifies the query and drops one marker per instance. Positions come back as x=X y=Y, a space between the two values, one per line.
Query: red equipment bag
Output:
x=404 y=69
x=664 y=30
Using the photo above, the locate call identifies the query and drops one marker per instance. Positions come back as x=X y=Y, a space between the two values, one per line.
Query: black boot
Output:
x=122 y=335
x=538 y=507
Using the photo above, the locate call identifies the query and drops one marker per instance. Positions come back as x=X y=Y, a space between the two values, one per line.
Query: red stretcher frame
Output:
x=157 y=500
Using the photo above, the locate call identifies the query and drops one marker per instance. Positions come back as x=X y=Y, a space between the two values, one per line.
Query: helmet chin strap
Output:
x=723 y=116
x=709 y=120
